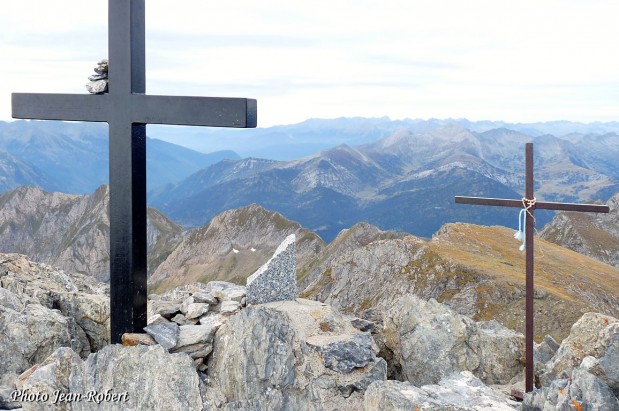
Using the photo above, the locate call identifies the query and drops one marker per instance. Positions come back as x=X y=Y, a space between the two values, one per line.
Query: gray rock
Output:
x=229 y=307
x=225 y=291
x=29 y=336
x=582 y=389
x=156 y=319
x=185 y=305
x=180 y=319
x=344 y=355
x=76 y=296
x=204 y=297
x=276 y=280
x=6 y=399
x=363 y=325
x=544 y=351
x=196 y=310
x=166 y=334
x=458 y=392
x=591 y=335
x=608 y=365
x=97 y=87
x=97 y=77
x=195 y=334
x=416 y=330
x=164 y=308
x=283 y=371
x=146 y=378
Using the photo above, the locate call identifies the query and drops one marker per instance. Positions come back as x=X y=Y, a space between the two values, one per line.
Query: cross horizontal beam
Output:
x=541 y=205
x=139 y=108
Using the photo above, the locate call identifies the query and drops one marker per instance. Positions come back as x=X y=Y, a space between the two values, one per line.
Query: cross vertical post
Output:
x=530 y=269
x=127 y=142
x=127 y=110
x=530 y=204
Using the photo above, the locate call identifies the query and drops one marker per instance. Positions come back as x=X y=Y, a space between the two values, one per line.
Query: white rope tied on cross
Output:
x=526 y=208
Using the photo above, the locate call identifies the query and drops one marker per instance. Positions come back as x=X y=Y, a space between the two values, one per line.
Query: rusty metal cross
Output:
x=532 y=204
x=127 y=110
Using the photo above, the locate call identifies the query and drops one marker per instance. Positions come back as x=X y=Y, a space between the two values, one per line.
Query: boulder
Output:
x=116 y=377
x=591 y=335
x=297 y=364
x=429 y=341
x=276 y=280
x=77 y=296
x=581 y=391
x=458 y=392
x=30 y=335
x=583 y=372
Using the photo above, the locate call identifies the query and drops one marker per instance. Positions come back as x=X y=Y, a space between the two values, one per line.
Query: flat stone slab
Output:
x=276 y=280
x=166 y=334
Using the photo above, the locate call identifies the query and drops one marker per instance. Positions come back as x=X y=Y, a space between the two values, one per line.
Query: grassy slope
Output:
x=567 y=284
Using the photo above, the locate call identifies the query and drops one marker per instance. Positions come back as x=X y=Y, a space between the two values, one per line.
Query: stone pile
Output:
x=186 y=318
x=98 y=82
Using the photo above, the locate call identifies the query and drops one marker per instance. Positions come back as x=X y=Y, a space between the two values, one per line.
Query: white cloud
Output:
x=502 y=60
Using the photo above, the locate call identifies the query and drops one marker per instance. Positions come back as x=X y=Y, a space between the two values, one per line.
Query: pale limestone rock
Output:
x=225 y=291
x=581 y=388
x=156 y=319
x=229 y=307
x=196 y=310
x=457 y=392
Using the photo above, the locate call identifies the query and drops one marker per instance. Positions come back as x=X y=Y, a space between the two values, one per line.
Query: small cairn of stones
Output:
x=185 y=320
x=98 y=83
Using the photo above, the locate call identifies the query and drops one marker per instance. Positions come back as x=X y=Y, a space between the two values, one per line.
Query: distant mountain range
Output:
x=73 y=157
x=289 y=142
x=404 y=182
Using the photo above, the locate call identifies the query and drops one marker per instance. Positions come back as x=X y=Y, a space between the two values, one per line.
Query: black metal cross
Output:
x=127 y=110
x=531 y=204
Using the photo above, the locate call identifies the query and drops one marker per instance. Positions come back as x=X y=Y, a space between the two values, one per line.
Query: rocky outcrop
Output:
x=309 y=358
x=429 y=341
x=357 y=236
x=75 y=296
x=592 y=234
x=116 y=377
x=234 y=245
x=43 y=309
x=583 y=371
x=589 y=336
x=72 y=231
x=30 y=332
x=457 y=392
x=477 y=271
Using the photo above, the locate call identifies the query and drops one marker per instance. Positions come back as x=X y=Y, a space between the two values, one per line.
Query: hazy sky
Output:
x=518 y=61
